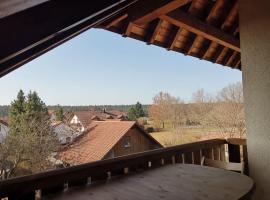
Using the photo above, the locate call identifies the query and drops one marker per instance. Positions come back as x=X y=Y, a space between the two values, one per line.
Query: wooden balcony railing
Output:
x=29 y=187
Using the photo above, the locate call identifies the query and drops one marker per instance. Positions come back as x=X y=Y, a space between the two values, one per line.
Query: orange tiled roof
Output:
x=86 y=117
x=96 y=143
x=4 y=121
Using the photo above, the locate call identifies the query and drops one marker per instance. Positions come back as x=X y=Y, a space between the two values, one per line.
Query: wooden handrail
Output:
x=55 y=180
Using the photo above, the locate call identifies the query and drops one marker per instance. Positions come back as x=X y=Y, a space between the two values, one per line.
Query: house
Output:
x=52 y=115
x=64 y=133
x=3 y=129
x=80 y=120
x=208 y=30
x=108 y=139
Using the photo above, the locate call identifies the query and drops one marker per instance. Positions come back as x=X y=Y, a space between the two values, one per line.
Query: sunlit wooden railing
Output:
x=29 y=187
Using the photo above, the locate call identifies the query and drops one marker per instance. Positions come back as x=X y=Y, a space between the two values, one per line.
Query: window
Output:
x=127 y=142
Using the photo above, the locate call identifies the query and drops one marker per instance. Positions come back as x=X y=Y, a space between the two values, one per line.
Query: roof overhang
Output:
x=205 y=29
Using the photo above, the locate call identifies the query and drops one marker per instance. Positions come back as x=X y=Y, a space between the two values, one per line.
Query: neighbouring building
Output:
x=52 y=115
x=80 y=120
x=64 y=133
x=108 y=139
x=3 y=129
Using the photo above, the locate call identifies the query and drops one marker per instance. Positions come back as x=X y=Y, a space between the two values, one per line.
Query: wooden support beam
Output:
x=142 y=14
x=232 y=58
x=153 y=32
x=203 y=29
x=115 y=21
x=217 y=6
x=238 y=64
x=222 y=55
x=127 y=30
x=178 y=33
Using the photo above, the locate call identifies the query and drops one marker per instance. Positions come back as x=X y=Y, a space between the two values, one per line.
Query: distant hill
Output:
x=5 y=109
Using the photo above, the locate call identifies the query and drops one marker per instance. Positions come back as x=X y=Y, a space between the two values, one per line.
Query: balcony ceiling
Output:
x=205 y=29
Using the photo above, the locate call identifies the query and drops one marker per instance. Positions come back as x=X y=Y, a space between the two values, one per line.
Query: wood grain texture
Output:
x=179 y=181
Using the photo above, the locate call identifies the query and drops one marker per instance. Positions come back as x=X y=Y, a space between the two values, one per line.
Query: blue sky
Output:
x=100 y=67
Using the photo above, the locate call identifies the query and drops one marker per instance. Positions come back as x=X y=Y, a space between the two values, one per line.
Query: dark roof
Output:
x=98 y=141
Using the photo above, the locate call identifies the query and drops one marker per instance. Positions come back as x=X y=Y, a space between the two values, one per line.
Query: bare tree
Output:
x=166 y=108
x=228 y=111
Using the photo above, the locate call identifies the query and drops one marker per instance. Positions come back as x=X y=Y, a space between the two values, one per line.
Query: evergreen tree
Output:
x=30 y=140
x=136 y=111
x=59 y=113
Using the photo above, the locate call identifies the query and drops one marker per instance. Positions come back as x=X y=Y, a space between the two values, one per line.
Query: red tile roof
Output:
x=4 y=121
x=96 y=143
x=86 y=117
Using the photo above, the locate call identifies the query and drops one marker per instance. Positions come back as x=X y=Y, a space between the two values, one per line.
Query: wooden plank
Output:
x=98 y=170
x=141 y=14
x=203 y=29
x=180 y=181
x=115 y=20
x=237 y=141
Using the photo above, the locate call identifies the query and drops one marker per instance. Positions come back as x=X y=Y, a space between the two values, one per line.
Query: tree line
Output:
x=223 y=111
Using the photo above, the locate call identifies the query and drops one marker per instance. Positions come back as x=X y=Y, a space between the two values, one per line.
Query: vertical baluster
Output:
x=222 y=152
x=216 y=151
x=245 y=159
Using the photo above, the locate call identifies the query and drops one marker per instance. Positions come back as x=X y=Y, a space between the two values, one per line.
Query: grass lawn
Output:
x=185 y=135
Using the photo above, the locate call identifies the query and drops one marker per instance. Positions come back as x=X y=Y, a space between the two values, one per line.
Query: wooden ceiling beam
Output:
x=153 y=32
x=217 y=6
x=178 y=33
x=231 y=59
x=127 y=29
x=203 y=29
x=142 y=14
x=114 y=21
x=238 y=64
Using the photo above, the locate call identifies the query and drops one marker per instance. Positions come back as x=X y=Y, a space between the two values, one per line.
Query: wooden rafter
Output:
x=153 y=32
x=238 y=64
x=174 y=40
x=215 y=8
x=198 y=27
x=232 y=58
x=115 y=21
x=127 y=29
x=142 y=14
x=222 y=55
